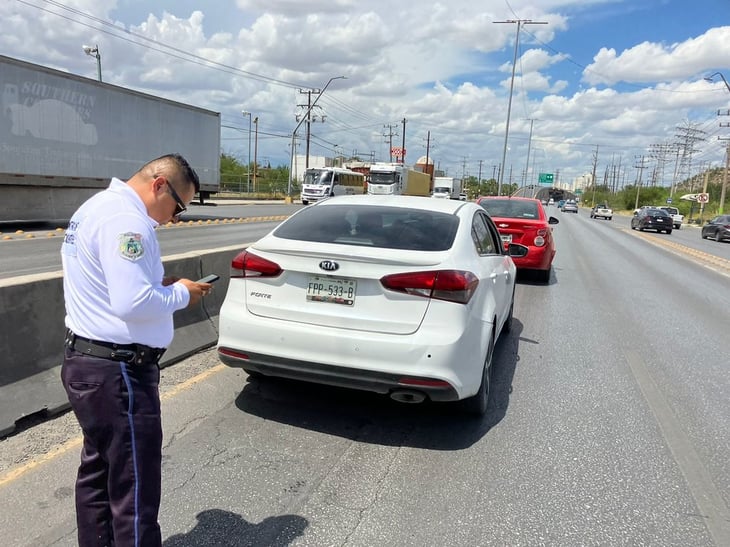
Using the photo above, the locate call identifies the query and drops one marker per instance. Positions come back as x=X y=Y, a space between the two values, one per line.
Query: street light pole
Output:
x=294 y=133
x=94 y=52
x=529 y=146
x=248 y=160
x=255 y=151
x=519 y=22
x=723 y=188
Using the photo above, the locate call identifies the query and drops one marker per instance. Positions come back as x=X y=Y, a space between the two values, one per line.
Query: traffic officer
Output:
x=119 y=310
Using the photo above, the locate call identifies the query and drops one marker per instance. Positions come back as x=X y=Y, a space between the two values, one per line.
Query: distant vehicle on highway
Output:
x=570 y=206
x=602 y=210
x=717 y=228
x=399 y=295
x=677 y=217
x=649 y=218
x=524 y=221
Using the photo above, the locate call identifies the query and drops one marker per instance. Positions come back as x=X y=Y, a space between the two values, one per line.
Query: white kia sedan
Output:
x=398 y=295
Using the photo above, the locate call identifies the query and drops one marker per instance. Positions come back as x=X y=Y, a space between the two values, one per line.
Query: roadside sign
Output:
x=703 y=198
x=398 y=151
x=545 y=178
x=669 y=200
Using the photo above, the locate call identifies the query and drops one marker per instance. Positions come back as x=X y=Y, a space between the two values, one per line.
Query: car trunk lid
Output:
x=339 y=286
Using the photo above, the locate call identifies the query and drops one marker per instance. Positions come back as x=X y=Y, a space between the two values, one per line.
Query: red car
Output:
x=524 y=221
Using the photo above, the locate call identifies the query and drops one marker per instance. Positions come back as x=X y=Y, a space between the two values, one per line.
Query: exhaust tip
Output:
x=408 y=396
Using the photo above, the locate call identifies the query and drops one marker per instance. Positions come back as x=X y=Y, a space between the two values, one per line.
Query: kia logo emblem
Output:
x=329 y=265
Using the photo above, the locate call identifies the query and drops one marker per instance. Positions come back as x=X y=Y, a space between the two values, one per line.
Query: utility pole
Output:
x=593 y=176
x=255 y=150
x=519 y=22
x=723 y=188
x=389 y=136
x=294 y=135
x=724 y=181
x=479 y=179
x=308 y=118
x=529 y=146
x=641 y=166
x=428 y=146
x=403 y=145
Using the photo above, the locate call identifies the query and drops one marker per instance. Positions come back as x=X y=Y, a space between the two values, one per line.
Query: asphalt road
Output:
x=607 y=426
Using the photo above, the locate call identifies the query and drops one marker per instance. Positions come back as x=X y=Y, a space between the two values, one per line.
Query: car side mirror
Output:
x=553 y=220
x=516 y=250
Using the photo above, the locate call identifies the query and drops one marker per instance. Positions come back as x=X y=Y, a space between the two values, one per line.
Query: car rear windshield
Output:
x=372 y=226
x=510 y=208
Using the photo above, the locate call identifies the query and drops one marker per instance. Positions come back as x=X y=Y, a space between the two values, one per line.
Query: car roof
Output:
x=408 y=202
x=511 y=198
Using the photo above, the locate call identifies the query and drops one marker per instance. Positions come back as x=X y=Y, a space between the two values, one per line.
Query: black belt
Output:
x=136 y=354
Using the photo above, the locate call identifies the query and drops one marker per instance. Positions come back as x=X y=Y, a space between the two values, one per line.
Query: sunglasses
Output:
x=180 y=207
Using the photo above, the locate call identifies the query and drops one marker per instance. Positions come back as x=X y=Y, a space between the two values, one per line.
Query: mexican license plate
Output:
x=336 y=290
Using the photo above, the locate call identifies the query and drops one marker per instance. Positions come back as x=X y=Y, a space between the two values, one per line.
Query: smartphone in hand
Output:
x=209 y=279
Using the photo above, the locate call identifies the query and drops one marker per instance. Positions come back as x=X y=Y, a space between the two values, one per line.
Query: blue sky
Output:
x=614 y=75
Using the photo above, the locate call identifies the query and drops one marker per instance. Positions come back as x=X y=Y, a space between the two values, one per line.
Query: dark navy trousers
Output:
x=119 y=479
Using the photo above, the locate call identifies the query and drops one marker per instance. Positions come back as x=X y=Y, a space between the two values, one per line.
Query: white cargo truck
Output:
x=63 y=137
x=447 y=187
x=398 y=179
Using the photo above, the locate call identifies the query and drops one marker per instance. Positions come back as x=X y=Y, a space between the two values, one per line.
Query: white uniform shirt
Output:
x=113 y=272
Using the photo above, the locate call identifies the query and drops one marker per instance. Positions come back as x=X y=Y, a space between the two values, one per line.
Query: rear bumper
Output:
x=443 y=359
x=320 y=373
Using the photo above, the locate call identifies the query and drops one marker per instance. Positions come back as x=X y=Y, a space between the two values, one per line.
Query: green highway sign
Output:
x=545 y=178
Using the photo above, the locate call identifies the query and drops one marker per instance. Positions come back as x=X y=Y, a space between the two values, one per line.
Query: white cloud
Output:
x=655 y=62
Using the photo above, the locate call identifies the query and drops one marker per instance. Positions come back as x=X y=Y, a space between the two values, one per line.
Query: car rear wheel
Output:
x=508 y=322
x=477 y=404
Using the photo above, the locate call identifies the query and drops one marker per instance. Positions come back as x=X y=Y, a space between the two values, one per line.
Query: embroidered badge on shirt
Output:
x=130 y=246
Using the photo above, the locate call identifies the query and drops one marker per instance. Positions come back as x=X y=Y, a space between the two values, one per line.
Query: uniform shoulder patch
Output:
x=130 y=246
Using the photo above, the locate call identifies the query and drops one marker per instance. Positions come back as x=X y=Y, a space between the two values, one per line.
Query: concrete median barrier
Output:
x=32 y=315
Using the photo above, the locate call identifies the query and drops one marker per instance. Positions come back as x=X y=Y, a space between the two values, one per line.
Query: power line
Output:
x=189 y=57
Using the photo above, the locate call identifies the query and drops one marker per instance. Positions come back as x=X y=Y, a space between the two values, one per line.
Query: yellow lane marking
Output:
x=711 y=261
x=75 y=442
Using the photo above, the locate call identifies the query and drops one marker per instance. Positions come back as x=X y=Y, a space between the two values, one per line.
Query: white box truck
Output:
x=396 y=178
x=447 y=187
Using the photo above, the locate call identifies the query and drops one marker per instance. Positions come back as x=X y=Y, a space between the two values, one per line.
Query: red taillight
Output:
x=542 y=232
x=247 y=264
x=451 y=285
